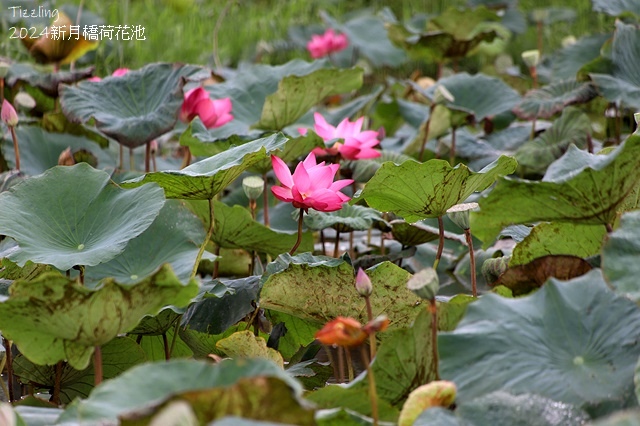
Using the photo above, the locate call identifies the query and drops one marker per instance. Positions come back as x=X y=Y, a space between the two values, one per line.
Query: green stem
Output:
x=194 y=271
x=372 y=336
x=167 y=349
x=174 y=338
x=440 y=242
x=16 y=149
x=336 y=247
x=373 y=393
x=147 y=157
x=472 y=259
x=347 y=354
x=9 y=358
x=57 y=384
x=299 y=240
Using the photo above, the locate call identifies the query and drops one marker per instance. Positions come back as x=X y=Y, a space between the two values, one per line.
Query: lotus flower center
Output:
x=578 y=360
x=81 y=247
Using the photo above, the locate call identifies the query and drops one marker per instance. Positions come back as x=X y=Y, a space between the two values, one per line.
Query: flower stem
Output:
x=97 y=365
x=452 y=151
x=372 y=336
x=440 y=242
x=194 y=271
x=167 y=348
x=472 y=259
x=174 y=338
x=15 y=146
x=265 y=201
x=57 y=384
x=147 y=157
x=347 y=354
x=433 y=309
x=373 y=393
x=336 y=247
x=9 y=358
x=299 y=240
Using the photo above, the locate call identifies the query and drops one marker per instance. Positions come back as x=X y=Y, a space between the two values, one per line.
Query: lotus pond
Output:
x=327 y=240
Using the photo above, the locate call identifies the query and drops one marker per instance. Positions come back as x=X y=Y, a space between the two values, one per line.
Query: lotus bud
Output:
x=459 y=214
x=4 y=68
x=9 y=114
x=435 y=394
x=363 y=284
x=380 y=323
x=425 y=284
x=253 y=187
x=66 y=158
x=25 y=100
x=442 y=95
x=569 y=41
x=531 y=57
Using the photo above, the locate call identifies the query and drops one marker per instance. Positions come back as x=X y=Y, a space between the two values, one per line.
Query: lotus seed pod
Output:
x=531 y=57
x=425 y=284
x=253 y=187
x=25 y=100
x=459 y=214
x=435 y=394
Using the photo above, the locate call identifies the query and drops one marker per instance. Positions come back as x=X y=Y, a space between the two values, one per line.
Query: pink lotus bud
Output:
x=9 y=114
x=363 y=284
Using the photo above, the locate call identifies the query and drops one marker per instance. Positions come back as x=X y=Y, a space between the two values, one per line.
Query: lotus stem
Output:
x=97 y=365
x=324 y=251
x=347 y=354
x=1 y=90
x=472 y=260
x=5 y=389
x=194 y=271
x=426 y=132
x=9 y=358
x=167 y=348
x=132 y=160
x=121 y=161
x=16 y=149
x=372 y=336
x=265 y=201
x=608 y=227
x=216 y=263
x=57 y=384
x=187 y=158
x=373 y=393
x=336 y=247
x=539 y=25
x=440 y=242
x=340 y=364
x=432 y=307
x=299 y=240
x=147 y=157
x=351 y=252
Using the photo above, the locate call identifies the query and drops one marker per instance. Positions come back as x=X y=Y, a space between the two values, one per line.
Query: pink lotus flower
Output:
x=213 y=113
x=117 y=73
x=310 y=186
x=357 y=144
x=327 y=43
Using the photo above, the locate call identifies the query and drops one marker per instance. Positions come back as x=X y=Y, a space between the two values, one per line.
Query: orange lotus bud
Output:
x=377 y=324
x=342 y=332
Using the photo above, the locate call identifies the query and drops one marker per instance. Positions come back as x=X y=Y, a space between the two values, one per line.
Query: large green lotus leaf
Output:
x=57 y=122
x=222 y=305
x=616 y=7
x=319 y=288
x=566 y=62
x=244 y=344
x=257 y=398
x=149 y=385
x=575 y=342
x=292 y=150
x=418 y=191
x=363 y=28
x=161 y=323
x=347 y=219
x=354 y=399
x=204 y=179
x=620 y=418
x=579 y=187
x=248 y=89
x=66 y=224
x=482 y=149
x=118 y=355
x=478 y=95
x=174 y=238
x=44 y=79
x=134 y=108
x=572 y=128
x=551 y=99
x=559 y=238
x=234 y=228
x=297 y=94
x=37 y=416
x=54 y=318
x=504 y=409
x=453 y=34
x=620 y=257
x=414 y=234
x=300 y=333
x=623 y=84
